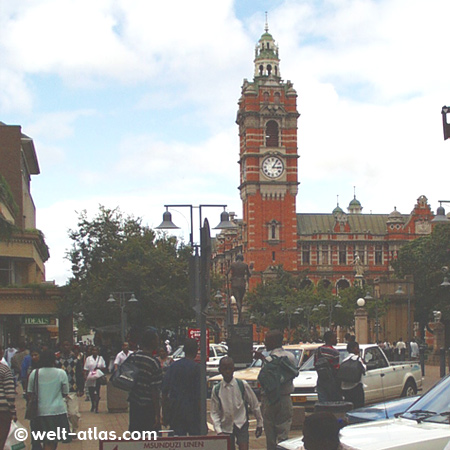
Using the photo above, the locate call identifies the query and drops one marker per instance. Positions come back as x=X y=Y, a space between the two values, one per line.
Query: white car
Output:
x=301 y=353
x=423 y=426
x=383 y=380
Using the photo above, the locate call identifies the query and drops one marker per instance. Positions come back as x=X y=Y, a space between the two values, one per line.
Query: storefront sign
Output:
x=36 y=320
x=194 y=333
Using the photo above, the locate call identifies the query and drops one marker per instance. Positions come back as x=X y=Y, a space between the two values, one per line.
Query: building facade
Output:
x=339 y=249
x=28 y=305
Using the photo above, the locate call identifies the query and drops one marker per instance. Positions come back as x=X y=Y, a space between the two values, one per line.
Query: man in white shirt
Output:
x=229 y=400
x=354 y=391
x=400 y=348
x=122 y=356
x=414 y=349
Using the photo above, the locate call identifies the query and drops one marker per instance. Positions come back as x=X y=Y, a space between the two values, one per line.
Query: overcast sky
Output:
x=132 y=103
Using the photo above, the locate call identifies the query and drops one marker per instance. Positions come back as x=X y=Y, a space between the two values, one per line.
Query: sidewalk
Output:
x=118 y=422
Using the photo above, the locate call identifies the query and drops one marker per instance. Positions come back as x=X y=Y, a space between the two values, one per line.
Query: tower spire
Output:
x=267 y=61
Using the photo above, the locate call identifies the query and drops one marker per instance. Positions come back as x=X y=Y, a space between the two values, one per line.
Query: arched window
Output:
x=342 y=284
x=269 y=69
x=266 y=97
x=276 y=70
x=277 y=98
x=306 y=283
x=325 y=283
x=271 y=134
x=261 y=70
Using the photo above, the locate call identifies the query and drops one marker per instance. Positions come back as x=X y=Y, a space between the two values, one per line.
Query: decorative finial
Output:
x=337 y=201
x=354 y=192
x=266 y=28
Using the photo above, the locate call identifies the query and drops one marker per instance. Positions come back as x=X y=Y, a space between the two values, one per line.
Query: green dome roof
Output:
x=355 y=202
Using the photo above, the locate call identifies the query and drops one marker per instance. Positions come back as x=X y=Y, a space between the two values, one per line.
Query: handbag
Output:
x=12 y=443
x=98 y=375
x=125 y=376
x=103 y=381
x=33 y=400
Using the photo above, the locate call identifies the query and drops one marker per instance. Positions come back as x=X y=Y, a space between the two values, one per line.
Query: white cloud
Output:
x=370 y=75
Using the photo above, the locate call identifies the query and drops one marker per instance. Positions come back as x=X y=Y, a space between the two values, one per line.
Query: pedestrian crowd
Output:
x=166 y=393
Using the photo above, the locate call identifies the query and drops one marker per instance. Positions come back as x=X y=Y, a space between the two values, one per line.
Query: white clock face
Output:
x=272 y=167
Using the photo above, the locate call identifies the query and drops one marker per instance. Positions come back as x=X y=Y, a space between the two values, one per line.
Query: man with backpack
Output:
x=326 y=363
x=275 y=377
x=230 y=401
x=350 y=373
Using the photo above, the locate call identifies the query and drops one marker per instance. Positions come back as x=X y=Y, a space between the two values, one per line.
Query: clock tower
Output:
x=267 y=119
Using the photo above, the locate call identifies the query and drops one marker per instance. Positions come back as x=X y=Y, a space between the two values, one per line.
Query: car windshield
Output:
x=309 y=365
x=434 y=406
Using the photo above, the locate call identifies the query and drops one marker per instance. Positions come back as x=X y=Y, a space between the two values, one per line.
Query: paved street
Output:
x=118 y=422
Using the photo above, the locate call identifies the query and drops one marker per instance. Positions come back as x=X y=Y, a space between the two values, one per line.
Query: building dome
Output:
x=338 y=210
x=354 y=206
x=395 y=217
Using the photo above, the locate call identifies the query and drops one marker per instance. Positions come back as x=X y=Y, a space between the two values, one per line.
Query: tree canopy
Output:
x=285 y=299
x=116 y=253
x=426 y=259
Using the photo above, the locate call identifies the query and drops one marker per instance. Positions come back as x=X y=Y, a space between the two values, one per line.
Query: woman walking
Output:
x=51 y=386
x=91 y=369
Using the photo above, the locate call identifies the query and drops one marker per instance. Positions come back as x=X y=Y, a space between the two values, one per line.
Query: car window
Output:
x=178 y=353
x=258 y=362
x=297 y=354
x=374 y=358
x=309 y=364
x=221 y=351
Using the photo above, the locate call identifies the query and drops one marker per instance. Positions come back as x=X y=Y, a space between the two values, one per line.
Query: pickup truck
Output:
x=383 y=380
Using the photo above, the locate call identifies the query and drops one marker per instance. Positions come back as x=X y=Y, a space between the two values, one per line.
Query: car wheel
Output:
x=410 y=389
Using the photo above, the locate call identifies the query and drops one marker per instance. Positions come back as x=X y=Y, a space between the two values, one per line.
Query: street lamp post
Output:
x=289 y=315
x=331 y=306
x=200 y=279
x=123 y=314
x=400 y=291
x=368 y=298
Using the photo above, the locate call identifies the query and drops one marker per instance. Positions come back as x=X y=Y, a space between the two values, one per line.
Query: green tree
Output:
x=287 y=299
x=114 y=253
x=424 y=259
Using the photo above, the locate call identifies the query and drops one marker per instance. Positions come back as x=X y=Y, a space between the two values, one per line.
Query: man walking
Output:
x=122 y=355
x=181 y=393
x=326 y=363
x=277 y=416
x=230 y=401
x=144 y=398
x=68 y=361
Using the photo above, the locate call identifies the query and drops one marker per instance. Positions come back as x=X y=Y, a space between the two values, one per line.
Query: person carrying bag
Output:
x=350 y=374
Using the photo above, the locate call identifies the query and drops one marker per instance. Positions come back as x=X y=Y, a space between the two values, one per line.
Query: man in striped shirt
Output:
x=144 y=398
x=7 y=400
x=328 y=387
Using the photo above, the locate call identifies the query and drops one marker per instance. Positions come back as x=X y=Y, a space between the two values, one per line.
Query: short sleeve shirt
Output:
x=148 y=380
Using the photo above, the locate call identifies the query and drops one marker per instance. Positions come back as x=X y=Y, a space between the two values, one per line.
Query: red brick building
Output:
x=271 y=232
